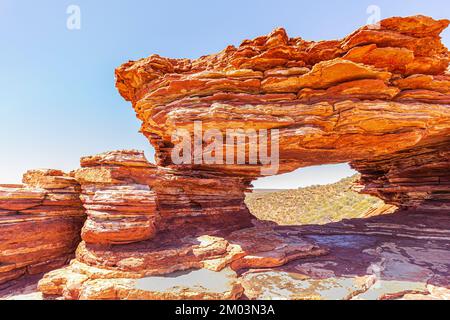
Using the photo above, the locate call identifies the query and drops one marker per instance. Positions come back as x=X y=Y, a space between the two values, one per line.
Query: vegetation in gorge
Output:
x=318 y=204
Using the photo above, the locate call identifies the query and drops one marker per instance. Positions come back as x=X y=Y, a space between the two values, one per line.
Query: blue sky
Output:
x=57 y=96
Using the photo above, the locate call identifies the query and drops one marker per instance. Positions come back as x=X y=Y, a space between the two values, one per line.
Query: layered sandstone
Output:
x=128 y=199
x=40 y=223
x=377 y=98
x=146 y=221
x=120 y=209
x=388 y=257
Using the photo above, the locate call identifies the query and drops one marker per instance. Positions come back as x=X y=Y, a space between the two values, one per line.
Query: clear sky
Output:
x=57 y=96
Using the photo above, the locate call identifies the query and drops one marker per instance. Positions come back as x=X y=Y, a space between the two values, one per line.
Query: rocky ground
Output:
x=40 y=223
x=400 y=256
x=24 y=288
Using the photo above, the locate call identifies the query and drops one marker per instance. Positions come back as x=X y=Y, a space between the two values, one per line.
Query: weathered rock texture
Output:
x=128 y=199
x=377 y=99
x=380 y=258
x=385 y=257
x=40 y=223
x=144 y=221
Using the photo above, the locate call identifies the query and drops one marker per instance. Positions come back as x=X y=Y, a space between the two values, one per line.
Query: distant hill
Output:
x=315 y=204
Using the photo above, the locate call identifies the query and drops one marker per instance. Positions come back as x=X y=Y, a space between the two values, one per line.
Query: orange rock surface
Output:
x=40 y=223
x=377 y=98
x=145 y=221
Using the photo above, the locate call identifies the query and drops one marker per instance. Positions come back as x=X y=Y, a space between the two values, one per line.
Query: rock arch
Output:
x=379 y=99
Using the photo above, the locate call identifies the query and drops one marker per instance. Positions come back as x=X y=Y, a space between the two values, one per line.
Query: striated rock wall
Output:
x=120 y=207
x=416 y=179
x=40 y=223
x=146 y=221
x=379 y=99
x=128 y=200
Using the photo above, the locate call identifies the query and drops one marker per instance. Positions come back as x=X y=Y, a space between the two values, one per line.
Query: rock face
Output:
x=128 y=199
x=416 y=178
x=377 y=99
x=40 y=223
x=146 y=221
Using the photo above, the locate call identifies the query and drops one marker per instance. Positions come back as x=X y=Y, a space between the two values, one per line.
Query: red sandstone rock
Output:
x=367 y=99
x=384 y=257
x=377 y=99
x=18 y=197
x=193 y=285
x=120 y=208
x=40 y=223
x=128 y=199
x=258 y=247
x=194 y=222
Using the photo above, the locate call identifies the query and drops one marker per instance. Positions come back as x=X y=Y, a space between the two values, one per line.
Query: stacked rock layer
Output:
x=40 y=223
x=129 y=199
x=145 y=221
x=379 y=99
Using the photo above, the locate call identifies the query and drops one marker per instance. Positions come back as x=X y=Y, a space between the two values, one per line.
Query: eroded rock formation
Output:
x=377 y=99
x=145 y=221
x=40 y=223
x=128 y=199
